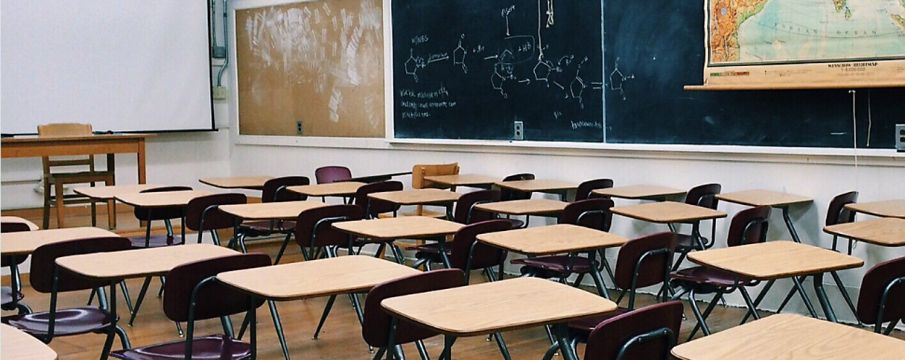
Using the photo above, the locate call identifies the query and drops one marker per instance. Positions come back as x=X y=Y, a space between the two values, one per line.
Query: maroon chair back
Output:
x=213 y=300
x=585 y=188
x=644 y=261
x=163 y=213
x=329 y=174
x=875 y=282
x=206 y=208
x=8 y=227
x=376 y=323
x=704 y=195
x=592 y=213
x=43 y=262
x=313 y=226
x=749 y=226
x=657 y=326
x=371 y=208
x=484 y=256
x=465 y=212
x=836 y=213
x=274 y=189
x=509 y=194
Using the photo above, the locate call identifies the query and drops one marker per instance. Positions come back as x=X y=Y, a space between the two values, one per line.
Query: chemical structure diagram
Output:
x=522 y=60
x=618 y=79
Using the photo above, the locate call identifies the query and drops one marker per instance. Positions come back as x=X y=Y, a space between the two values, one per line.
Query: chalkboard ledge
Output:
x=794 y=86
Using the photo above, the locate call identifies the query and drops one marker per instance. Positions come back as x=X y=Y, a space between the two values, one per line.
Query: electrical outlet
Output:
x=518 y=130
x=900 y=137
x=219 y=93
x=299 y=130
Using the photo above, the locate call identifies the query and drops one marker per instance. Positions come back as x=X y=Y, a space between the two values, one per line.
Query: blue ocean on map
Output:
x=809 y=30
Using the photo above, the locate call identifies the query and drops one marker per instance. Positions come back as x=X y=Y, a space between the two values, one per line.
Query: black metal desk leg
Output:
x=804 y=297
x=448 y=341
x=788 y=220
x=562 y=331
x=824 y=300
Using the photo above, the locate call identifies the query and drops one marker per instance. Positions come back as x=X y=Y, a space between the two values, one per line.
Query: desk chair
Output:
x=193 y=293
x=329 y=174
x=747 y=227
x=383 y=331
x=464 y=213
x=418 y=182
x=584 y=189
x=647 y=333
x=56 y=179
x=591 y=213
x=509 y=194
x=704 y=196
x=274 y=190
x=11 y=297
x=47 y=277
x=882 y=296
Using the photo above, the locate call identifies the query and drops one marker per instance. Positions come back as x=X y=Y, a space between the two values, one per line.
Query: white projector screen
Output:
x=121 y=65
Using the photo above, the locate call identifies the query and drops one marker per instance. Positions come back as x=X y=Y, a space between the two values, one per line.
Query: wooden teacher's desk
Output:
x=33 y=146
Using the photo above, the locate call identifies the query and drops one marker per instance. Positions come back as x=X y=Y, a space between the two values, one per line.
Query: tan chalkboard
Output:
x=315 y=62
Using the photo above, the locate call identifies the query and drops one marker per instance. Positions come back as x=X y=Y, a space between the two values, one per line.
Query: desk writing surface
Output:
x=497 y=306
x=552 y=239
x=339 y=275
x=140 y=262
x=281 y=210
x=399 y=227
x=18 y=345
x=161 y=199
x=763 y=198
x=886 y=208
x=31 y=226
x=524 y=207
x=417 y=196
x=775 y=260
x=791 y=336
x=462 y=179
x=342 y=188
x=882 y=231
x=110 y=192
x=639 y=191
x=237 y=182
x=668 y=212
x=539 y=185
x=25 y=242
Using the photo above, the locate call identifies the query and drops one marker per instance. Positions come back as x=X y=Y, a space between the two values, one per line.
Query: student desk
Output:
x=387 y=230
x=557 y=239
x=114 y=267
x=789 y=336
x=773 y=199
x=342 y=188
x=419 y=197
x=34 y=146
x=888 y=232
x=325 y=277
x=540 y=185
x=378 y=178
x=109 y=193
x=888 y=208
x=774 y=260
x=280 y=210
x=669 y=212
x=15 y=344
x=469 y=180
x=498 y=306
x=31 y=226
x=25 y=242
x=163 y=199
x=237 y=182
x=640 y=192
x=540 y=207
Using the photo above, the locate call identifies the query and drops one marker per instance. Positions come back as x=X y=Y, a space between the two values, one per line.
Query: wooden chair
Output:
x=57 y=179
x=418 y=182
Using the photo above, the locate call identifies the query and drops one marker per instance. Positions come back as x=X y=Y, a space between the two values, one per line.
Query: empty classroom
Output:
x=460 y=179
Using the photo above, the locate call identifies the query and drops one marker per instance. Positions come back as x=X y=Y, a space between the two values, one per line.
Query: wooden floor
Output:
x=340 y=339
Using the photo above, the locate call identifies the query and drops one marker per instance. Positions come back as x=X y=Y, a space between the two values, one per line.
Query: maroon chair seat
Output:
x=329 y=174
x=71 y=321
x=704 y=278
x=882 y=296
x=207 y=347
x=648 y=333
x=557 y=265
